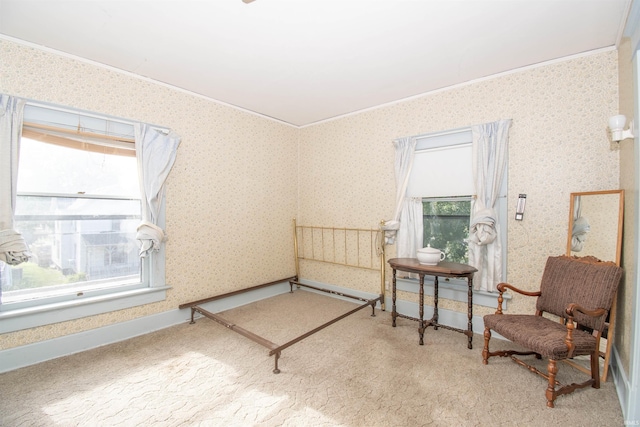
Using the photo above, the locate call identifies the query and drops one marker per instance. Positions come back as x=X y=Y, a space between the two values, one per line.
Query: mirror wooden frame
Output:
x=610 y=325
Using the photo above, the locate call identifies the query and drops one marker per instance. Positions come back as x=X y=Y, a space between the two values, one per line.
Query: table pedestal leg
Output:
x=470 y=312
x=435 y=303
x=421 y=321
x=394 y=313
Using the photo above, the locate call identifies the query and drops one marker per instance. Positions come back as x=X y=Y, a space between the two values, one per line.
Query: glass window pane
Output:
x=51 y=168
x=446 y=227
x=78 y=211
x=76 y=244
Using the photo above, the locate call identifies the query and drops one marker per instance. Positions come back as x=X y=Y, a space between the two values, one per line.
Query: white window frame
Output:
x=19 y=315
x=454 y=288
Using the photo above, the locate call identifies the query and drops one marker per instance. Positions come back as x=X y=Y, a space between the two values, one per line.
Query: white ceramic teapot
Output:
x=430 y=256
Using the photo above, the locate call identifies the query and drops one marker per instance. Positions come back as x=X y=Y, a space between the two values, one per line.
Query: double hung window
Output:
x=441 y=176
x=78 y=206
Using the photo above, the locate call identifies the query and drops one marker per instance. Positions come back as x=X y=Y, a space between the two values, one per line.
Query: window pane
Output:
x=54 y=169
x=77 y=244
x=78 y=211
x=446 y=227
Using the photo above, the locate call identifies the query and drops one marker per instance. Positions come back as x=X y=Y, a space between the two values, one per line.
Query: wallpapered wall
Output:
x=233 y=190
x=557 y=145
x=230 y=196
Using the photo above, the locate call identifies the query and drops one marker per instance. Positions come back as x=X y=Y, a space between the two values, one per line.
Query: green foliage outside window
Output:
x=446 y=226
x=34 y=276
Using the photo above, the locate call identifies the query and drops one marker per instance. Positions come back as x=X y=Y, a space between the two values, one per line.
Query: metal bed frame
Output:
x=316 y=237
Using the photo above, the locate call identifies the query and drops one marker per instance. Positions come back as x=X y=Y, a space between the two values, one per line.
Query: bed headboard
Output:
x=351 y=247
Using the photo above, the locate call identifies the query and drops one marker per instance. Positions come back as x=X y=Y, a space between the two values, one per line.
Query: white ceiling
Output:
x=305 y=61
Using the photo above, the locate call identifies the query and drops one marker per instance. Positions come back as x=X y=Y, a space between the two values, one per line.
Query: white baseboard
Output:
x=454 y=319
x=19 y=357
x=626 y=393
x=30 y=354
x=619 y=377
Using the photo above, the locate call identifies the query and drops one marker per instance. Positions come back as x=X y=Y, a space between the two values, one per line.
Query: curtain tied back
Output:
x=490 y=154
x=482 y=229
x=156 y=154
x=13 y=248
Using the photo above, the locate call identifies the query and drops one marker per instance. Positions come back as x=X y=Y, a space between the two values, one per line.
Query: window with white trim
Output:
x=78 y=206
x=441 y=176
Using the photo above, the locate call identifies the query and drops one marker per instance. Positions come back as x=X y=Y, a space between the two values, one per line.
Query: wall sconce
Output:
x=616 y=125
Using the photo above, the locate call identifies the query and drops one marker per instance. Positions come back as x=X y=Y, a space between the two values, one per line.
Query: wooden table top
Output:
x=443 y=268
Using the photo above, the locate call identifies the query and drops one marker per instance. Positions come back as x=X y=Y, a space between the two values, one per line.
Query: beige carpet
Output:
x=357 y=372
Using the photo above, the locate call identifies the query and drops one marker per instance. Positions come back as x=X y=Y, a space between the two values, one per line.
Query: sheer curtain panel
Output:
x=408 y=215
x=405 y=151
x=13 y=249
x=156 y=154
x=490 y=155
x=410 y=234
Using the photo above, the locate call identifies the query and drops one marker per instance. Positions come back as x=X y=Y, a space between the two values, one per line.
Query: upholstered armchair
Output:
x=577 y=291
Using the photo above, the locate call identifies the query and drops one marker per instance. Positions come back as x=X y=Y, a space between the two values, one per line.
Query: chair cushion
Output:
x=539 y=334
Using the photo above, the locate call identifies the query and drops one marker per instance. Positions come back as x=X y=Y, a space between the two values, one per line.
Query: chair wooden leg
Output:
x=595 y=368
x=552 y=369
x=485 y=350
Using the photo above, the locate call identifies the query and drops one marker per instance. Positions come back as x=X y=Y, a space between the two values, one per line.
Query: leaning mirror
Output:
x=595 y=229
x=595 y=224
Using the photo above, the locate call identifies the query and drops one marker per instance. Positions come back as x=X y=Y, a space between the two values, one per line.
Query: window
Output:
x=78 y=212
x=442 y=177
x=78 y=206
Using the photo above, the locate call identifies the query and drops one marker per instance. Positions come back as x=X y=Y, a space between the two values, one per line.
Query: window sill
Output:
x=455 y=290
x=31 y=317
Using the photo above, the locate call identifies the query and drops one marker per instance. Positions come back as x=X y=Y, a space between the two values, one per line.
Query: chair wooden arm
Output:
x=573 y=307
x=570 y=310
x=503 y=286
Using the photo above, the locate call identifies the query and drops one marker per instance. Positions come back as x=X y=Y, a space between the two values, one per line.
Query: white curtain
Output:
x=408 y=216
x=13 y=248
x=405 y=152
x=490 y=155
x=410 y=234
x=155 y=153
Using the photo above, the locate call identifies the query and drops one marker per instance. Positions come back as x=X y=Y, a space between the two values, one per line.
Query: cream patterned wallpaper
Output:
x=557 y=145
x=239 y=179
x=230 y=196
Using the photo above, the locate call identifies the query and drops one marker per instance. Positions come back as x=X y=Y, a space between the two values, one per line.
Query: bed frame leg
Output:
x=192 y=313
x=373 y=309
x=277 y=356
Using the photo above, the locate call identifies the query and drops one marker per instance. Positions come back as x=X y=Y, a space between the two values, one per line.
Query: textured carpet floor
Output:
x=357 y=372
